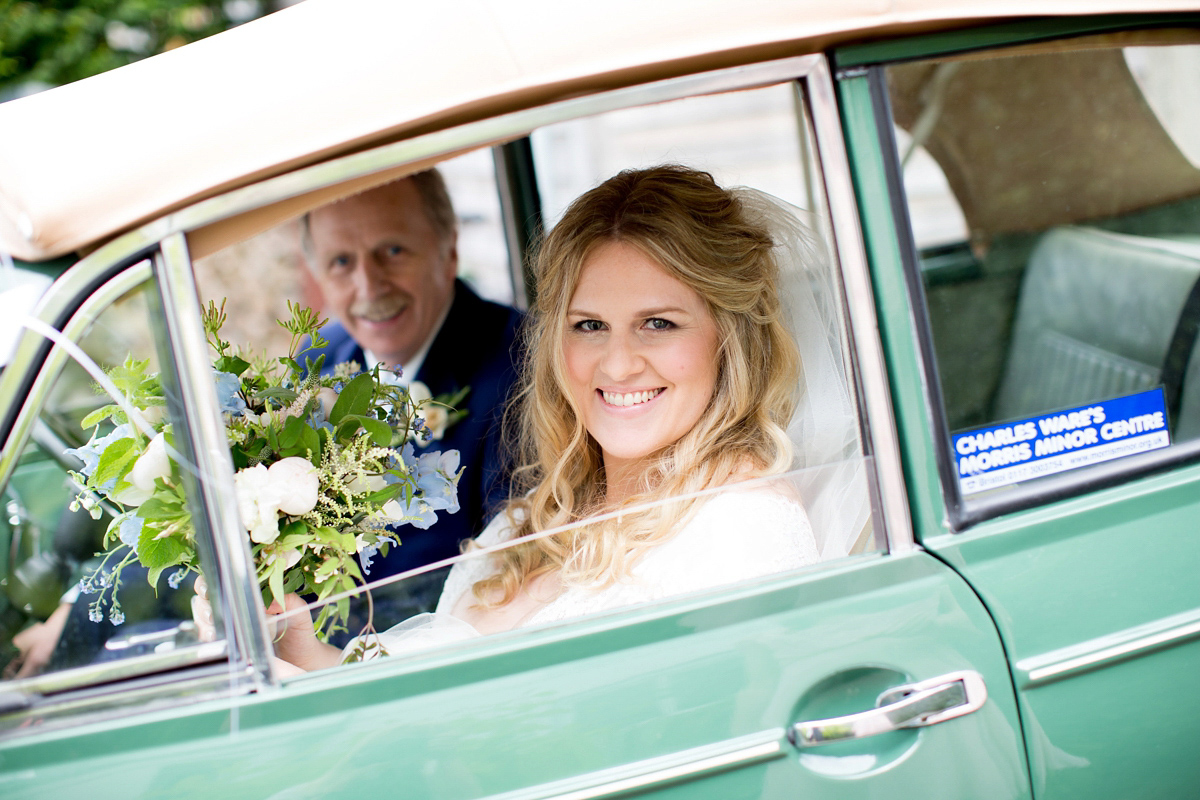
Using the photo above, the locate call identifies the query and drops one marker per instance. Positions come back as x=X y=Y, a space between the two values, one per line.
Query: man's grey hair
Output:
x=431 y=188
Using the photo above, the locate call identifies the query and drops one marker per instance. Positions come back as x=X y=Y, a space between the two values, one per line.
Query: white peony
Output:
x=297 y=483
x=151 y=464
x=290 y=486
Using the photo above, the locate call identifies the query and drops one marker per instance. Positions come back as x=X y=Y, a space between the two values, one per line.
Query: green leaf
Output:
x=158 y=554
x=390 y=492
x=275 y=581
x=161 y=506
x=379 y=431
x=231 y=364
x=99 y=415
x=355 y=399
x=115 y=461
x=292 y=431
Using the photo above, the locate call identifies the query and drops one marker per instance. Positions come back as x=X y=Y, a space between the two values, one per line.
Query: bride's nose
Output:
x=622 y=357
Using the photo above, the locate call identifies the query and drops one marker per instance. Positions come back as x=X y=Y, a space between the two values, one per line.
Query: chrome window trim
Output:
x=677 y=767
x=1108 y=650
x=864 y=330
x=102 y=703
x=61 y=295
x=245 y=627
x=92 y=675
x=879 y=425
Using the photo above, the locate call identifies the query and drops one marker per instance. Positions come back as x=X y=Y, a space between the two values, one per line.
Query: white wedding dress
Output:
x=735 y=534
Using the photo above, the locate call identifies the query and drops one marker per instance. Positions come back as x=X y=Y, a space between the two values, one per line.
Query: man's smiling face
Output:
x=382 y=268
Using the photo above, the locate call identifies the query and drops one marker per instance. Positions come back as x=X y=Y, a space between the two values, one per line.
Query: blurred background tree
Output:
x=51 y=42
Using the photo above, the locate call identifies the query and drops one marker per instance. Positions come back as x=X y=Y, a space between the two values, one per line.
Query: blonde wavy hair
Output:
x=700 y=235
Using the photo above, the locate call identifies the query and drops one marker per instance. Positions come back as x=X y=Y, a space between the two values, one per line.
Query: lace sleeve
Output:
x=735 y=536
x=474 y=566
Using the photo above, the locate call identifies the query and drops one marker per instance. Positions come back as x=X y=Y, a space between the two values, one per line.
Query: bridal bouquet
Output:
x=325 y=471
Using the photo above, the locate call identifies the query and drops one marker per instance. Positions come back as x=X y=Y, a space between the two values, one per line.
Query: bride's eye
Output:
x=659 y=324
x=589 y=325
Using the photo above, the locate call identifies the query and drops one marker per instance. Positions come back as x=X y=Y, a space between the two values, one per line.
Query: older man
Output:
x=385 y=261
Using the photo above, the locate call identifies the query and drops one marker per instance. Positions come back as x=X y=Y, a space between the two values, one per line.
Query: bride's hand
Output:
x=296 y=643
x=296 y=640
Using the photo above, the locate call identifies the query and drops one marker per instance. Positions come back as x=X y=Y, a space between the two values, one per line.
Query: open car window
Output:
x=742 y=534
x=735 y=535
x=1063 y=334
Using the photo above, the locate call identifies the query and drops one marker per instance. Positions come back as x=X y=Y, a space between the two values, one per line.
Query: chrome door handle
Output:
x=912 y=705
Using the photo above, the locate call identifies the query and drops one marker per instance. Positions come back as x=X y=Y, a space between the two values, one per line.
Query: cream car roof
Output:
x=84 y=162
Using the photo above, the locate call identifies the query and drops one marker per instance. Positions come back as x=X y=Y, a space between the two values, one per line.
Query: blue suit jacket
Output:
x=477 y=346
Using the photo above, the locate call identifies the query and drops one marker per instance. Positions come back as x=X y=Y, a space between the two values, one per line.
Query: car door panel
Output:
x=689 y=702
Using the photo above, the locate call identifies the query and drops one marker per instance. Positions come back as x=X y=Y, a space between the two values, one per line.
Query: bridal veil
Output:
x=825 y=429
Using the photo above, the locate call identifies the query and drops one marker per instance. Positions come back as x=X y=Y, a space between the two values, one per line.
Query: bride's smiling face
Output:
x=641 y=354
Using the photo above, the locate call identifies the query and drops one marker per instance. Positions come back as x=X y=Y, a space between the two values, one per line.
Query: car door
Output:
x=749 y=690
x=1078 y=185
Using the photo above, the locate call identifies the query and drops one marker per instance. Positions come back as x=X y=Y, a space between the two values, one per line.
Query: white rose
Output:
x=151 y=465
x=296 y=484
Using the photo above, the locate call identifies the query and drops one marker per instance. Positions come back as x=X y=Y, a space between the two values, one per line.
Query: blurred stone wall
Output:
x=257 y=278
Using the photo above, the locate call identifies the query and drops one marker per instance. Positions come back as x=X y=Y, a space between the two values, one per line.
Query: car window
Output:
x=1063 y=337
x=75 y=600
x=745 y=533
x=277 y=256
x=750 y=138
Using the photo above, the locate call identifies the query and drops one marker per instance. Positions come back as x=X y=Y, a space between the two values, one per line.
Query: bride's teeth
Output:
x=629 y=399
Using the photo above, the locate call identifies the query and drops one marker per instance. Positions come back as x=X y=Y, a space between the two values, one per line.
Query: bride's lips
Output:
x=631 y=399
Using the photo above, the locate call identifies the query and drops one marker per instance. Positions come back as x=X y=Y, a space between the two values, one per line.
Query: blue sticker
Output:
x=1078 y=437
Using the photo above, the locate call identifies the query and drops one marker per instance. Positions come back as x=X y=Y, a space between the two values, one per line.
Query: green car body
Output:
x=1072 y=600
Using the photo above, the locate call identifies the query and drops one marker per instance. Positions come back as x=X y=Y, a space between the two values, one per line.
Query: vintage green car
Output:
x=1010 y=195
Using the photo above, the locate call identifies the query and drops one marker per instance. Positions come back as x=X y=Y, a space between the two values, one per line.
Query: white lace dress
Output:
x=735 y=535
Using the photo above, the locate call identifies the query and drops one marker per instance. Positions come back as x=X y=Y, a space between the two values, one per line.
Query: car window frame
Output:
x=963 y=512
x=809 y=74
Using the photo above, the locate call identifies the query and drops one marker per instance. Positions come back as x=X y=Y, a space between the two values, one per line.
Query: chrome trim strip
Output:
x=111 y=671
x=99 y=704
x=1104 y=651
x=24 y=359
x=640 y=775
x=246 y=626
x=851 y=252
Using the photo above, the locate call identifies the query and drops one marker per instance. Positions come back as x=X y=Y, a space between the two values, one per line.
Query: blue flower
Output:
x=418 y=513
x=366 y=555
x=176 y=578
x=90 y=453
x=228 y=393
x=437 y=480
x=130 y=531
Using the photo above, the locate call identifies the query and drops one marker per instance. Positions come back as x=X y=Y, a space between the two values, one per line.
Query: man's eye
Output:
x=338 y=263
x=589 y=325
x=659 y=324
x=393 y=250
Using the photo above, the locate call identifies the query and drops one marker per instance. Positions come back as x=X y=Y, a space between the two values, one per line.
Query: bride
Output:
x=660 y=366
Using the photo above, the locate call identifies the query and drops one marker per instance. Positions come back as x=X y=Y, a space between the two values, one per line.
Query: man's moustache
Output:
x=379 y=310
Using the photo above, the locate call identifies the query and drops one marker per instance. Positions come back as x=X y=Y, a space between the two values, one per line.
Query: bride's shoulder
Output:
x=753 y=503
